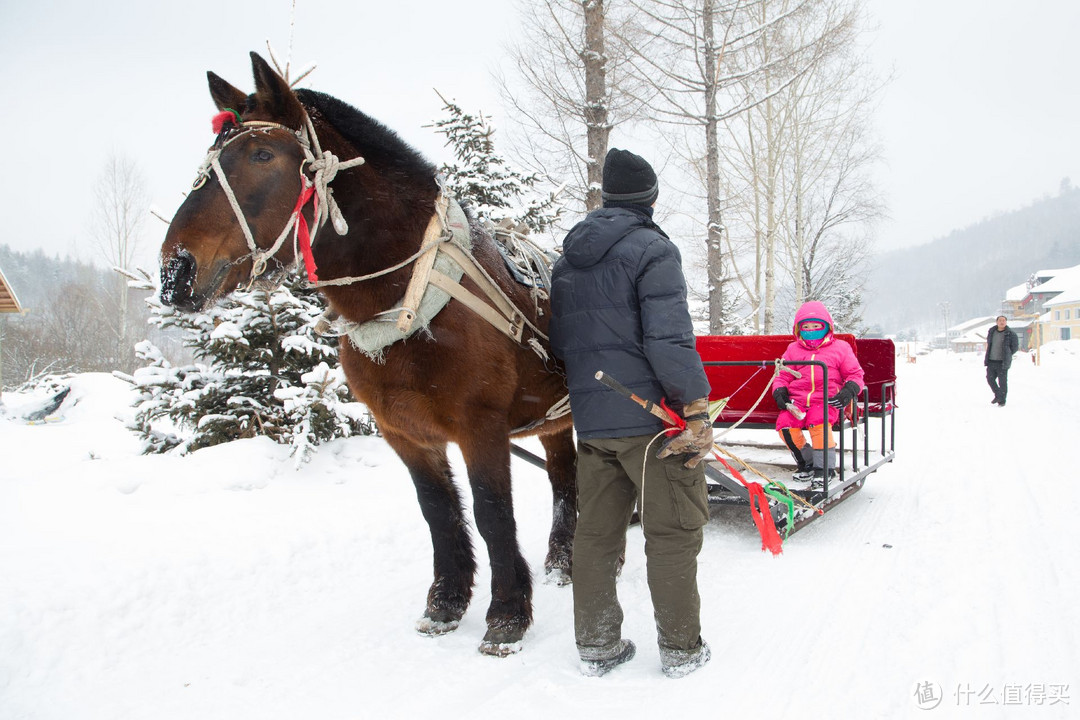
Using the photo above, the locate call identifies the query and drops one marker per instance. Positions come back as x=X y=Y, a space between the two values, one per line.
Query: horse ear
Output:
x=225 y=95
x=274 y=95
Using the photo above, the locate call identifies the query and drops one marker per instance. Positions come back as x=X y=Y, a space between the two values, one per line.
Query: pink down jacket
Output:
x=807 y=392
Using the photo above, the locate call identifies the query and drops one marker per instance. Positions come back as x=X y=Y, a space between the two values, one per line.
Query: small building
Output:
x=9 y=303
x=1013 y=304
x=961 y=330
x=971 y=341
x=1046 y=285
x=1063 y=316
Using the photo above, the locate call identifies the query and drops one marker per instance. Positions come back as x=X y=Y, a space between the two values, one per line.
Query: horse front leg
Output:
x=440 y=503
x=561 y=468
x=510 y=613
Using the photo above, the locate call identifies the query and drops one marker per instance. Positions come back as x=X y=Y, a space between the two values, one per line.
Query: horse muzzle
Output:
x=178 y=283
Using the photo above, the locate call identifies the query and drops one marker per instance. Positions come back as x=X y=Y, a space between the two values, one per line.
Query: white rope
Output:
x=644 y=462
x=361 y=278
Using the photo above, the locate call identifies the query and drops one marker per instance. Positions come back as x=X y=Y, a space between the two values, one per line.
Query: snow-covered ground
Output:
x=226 y=584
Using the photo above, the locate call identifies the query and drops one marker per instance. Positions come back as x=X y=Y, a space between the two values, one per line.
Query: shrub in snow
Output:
x=260 y=369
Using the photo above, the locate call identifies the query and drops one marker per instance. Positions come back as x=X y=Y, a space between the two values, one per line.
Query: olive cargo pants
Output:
x=674 y=508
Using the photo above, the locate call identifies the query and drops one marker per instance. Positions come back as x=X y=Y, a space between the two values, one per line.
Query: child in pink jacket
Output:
x=803 y=400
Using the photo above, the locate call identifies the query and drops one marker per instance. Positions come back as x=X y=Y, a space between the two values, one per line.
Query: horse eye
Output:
x=262 y=155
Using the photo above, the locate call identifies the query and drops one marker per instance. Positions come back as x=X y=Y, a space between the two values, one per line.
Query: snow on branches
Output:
x=260 y=369
x=483 y=179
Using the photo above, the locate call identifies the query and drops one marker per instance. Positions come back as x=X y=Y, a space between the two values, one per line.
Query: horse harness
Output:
x=438 y=266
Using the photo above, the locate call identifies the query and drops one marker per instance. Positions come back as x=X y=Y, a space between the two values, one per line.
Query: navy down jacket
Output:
x=618 y=301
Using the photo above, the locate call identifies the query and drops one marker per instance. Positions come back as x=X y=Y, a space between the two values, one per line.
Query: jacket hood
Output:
x=589 y=240
x=813 y=310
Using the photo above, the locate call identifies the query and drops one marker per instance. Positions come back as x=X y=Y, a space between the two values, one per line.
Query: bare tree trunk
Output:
x=568 y=87
x=770 y=215
x=597 y=127
x=717 y=272
x=122 y=205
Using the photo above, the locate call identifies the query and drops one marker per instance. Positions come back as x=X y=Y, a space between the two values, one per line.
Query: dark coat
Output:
x=618 y=302
x=1012 y=344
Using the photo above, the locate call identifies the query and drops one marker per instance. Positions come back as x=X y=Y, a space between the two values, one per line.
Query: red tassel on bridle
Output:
x=302 y=232
x=223 y=118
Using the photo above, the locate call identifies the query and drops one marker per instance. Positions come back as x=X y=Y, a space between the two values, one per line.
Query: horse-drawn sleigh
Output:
x=445 y=345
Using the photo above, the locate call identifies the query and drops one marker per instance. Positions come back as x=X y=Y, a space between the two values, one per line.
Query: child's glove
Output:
x=697 y=439
x=782 y=397
x=845 y=395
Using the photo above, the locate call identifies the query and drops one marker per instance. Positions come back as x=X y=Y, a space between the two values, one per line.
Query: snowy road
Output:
x=227 y=585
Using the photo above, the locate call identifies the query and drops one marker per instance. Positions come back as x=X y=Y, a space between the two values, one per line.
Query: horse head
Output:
x=233 y=225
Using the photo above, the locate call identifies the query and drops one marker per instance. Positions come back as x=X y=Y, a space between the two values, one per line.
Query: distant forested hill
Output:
x=36 y=277
x=971 y=268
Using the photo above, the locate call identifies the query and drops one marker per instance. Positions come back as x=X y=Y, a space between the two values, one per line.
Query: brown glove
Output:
x=697 y=439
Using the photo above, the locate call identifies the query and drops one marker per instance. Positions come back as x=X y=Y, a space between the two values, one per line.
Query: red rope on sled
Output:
x=759 y=511
x=759 y=501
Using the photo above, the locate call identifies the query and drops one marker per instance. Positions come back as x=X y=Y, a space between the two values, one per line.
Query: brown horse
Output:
x=459 y=380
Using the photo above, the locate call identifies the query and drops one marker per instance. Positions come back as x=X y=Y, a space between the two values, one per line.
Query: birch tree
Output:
x=804 y=203
x=566 y=90
x=701 y=72
x=121 y=206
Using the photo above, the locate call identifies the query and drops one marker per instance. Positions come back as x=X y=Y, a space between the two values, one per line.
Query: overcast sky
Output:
x=980 y=118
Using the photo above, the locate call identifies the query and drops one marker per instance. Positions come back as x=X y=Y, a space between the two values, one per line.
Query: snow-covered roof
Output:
x=986 y=322
x=9 y=303
x=1052 y=273
x=1017 y=293
x=971 y=337
x=1067 y=279
x=976 y=333
x=1067 y=297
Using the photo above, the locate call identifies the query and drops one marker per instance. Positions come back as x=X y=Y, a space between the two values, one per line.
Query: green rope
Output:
x=783 y=495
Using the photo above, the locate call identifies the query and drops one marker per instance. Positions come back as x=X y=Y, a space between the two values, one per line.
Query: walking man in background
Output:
x=618 y=302
x=1001 y=343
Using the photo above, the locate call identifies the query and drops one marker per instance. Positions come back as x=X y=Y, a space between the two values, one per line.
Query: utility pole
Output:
x=945 y=313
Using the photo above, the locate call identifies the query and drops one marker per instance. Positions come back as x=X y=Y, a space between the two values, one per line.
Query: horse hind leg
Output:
x=561 y=460
x=454 y=561
x=510 y=612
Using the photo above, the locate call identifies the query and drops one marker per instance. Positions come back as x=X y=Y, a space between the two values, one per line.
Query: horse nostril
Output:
x=177 y=279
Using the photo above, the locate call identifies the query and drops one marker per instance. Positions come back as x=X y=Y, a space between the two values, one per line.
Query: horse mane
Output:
x=381 y=146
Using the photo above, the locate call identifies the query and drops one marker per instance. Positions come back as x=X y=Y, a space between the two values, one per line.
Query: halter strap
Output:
x=325 y=166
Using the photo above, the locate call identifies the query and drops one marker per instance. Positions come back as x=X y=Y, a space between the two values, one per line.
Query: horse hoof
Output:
x=501 y=642
x=499 y=649
x=434 y=628
x=558 y=577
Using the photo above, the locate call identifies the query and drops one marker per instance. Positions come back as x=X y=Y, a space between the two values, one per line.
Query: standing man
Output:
x=1001 y=343
x=618 y=301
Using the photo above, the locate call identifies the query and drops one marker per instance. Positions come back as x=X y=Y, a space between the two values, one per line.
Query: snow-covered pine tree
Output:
x=485 y=180
x=845 y=302
x=260 y=370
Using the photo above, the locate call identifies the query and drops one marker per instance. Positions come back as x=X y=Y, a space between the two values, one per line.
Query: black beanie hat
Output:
x=628 y=179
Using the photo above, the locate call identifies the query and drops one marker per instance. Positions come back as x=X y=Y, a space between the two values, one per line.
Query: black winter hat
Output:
x=628 y=179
